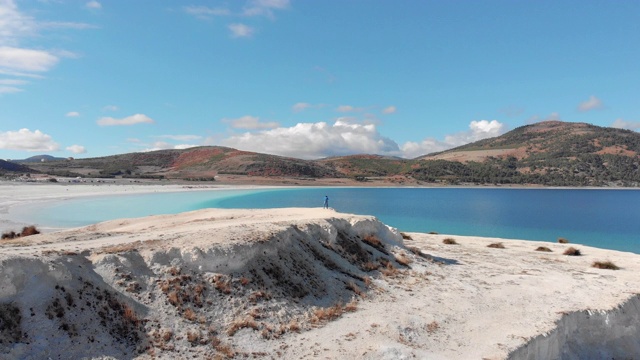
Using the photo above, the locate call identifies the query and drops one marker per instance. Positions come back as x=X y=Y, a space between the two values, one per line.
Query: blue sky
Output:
x=307 y=78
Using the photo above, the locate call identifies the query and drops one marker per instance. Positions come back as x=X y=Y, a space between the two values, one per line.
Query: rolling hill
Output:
x=548 y=153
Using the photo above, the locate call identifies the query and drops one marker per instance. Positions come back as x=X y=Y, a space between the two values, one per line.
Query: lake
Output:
x=596 y=217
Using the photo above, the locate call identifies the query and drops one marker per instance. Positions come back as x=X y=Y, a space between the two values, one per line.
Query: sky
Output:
x=307 y=79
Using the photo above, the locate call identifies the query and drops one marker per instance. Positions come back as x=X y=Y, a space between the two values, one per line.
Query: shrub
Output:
x=248 y=322
x=563 y=241
x=9 y=235
x=497 y=245
x=450 y=241
x=571 y=251
x=406 y=236
x=544 y=249
x=433 y=233
x=605 y=265
x=29 y=230
x=374 y=242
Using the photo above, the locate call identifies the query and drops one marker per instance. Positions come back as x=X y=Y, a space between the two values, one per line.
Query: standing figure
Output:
x=326 y=202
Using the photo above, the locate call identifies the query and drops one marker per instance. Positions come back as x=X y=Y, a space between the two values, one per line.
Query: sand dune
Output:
x=307 y=283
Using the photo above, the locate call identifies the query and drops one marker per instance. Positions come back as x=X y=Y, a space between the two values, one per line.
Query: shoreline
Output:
x=453 y=301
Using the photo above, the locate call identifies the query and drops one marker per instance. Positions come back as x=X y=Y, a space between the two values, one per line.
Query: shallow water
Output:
x=602 y=218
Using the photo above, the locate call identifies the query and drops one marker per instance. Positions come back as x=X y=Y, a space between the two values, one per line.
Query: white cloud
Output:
x=9 y=89
x=76 y=149
x=161 y=145
x=554 y=116
x=265 y=7
x=301 y=106
x=592 y=103
x=16 y=60
x=241 y=30
x=12 y=82
x=13 y=24
x=316 y=140
x=72 y=114
x=204 y=12
x=389 y=110
x=478 y=130
x=250 y=123
x=180 y=137
x=348 y=108
x=624 y=124
x=129 y=120
x=25 y=139
x=110 y=108
x=93 y=5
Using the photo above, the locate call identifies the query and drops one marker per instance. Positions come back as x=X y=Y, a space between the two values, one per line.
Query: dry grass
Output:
x=563 y=241
x=374 y=242
x=193 y=336
x=497 y=245
x=370 y=266
x=26 y=231
x=353 y=287
x=122 y=248
x=167 y=335
x=605 y=265
x=247 y=322
x=571 y=251
x=403 y=260
x=189 y=314
x=223 y=285
x=406 y=236
x=543 y=249
x=389 y=270
x=294 y=325
x=351 y=306
x=327 y=314
x=449 y=241
x=244 y=281
x=432 y=326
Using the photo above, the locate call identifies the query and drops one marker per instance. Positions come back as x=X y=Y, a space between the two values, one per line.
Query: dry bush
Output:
x=389 y=269
x=351 y=306
x=247 y=322
x=497 y=245
x=406 y=236
x=432 y=233
x=29 y=230
x=605 y=265
x=327 y=314
x=370 y=266
x=450 y=241
x=374 y=242
x=193 y=336
x=244 y=281
x=403 y=260
x=174 y=271
x=167 y=335
x=259 y=295
x=189 y=314
x=225 y=350
x=222 y=285
x=432 y=326
x=571 y=251
x=9 y=235
x=174 y=299
x=353 y=287
x=129 y=315
x=543 y=249
x=563 y=241
x=294 y=325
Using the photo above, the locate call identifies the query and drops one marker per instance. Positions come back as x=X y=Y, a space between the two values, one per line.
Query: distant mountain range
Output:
x=547 y=153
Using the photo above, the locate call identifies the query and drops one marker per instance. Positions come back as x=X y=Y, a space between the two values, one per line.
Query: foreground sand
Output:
x=301 y=283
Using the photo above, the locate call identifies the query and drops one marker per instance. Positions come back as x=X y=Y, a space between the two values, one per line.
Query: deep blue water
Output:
x=601 y=218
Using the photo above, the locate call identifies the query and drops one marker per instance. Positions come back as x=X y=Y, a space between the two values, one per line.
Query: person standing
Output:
x=326 y=202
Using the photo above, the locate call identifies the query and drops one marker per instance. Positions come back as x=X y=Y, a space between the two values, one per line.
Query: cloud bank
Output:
x=129 y=120
x=27 y=140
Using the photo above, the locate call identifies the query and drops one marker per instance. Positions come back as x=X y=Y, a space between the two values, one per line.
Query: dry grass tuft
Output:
x=563 y=241
x=355 y=288
x=193 y=336
x=605 y=265
x=247 y=322
x=403 y=260
x=189 y=314
x=223 y=285
x=389 y=270
x=351 y=306
x=406 y=236
x=543 y=249
x=244 y=281
x=450 y=241
x=373 y=241
x=122 y=248
x=497 y=245
x=571 y=251
x=327 y=314
x=432 y=326
x=26 y=231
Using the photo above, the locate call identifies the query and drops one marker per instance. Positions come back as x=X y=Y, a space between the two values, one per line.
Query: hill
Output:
x=40 y=158
x=548 y=153
x=11 y=167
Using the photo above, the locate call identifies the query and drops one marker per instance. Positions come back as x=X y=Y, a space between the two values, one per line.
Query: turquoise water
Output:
x=601 y=218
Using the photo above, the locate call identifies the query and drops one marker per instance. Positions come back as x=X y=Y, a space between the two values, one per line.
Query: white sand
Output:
x=468 y=302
